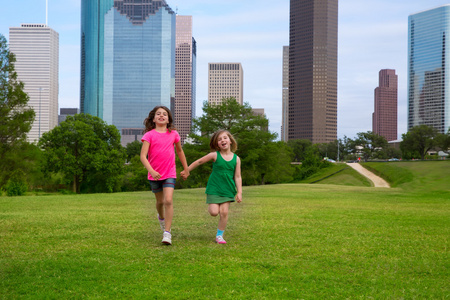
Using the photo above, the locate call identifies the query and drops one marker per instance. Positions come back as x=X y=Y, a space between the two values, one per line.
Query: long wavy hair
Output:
x=214 y=143
x=150 y=124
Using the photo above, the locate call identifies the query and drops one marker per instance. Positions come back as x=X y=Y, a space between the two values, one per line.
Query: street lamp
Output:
x=40 y=92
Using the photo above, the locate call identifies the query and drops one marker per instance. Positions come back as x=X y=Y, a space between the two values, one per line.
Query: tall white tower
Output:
x=225 y=80
x=36 y=47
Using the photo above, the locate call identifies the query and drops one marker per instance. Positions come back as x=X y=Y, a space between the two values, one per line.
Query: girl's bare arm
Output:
x=208 y=157
x=183 y=160
x=144 y=161
x=238 y=180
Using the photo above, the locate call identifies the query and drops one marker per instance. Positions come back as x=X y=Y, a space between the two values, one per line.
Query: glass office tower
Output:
x=127 y=59
x=428 y=70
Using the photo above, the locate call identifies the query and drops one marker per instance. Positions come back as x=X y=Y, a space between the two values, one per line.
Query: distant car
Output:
x=394 y=159
x=330 y=160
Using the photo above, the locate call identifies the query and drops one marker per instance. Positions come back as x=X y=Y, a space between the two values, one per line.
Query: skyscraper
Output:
x=36 y=47
x=127 y=59
x=313 y=70
x=225 y=80
x=285 y=96
x=185 y=71
x=428 y=68
x=384 y=118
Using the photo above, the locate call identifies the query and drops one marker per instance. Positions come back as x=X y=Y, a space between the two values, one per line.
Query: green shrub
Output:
x=66 y=192
x=16 y=185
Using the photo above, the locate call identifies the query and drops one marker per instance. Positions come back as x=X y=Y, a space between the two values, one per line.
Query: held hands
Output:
x=239 y=197
x=184 y=174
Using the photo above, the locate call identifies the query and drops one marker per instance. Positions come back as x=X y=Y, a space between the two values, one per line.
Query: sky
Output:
x=372 y=35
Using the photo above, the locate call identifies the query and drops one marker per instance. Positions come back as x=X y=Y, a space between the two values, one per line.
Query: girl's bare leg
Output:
x=213 y=209
x=160 y=204
x=223 y=210
x=168 y=207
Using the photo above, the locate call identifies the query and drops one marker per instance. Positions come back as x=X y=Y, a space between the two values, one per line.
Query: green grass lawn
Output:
x=300 y=241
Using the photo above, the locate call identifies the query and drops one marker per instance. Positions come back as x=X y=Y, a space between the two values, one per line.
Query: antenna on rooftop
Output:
x=176 y=9
x=46 y=12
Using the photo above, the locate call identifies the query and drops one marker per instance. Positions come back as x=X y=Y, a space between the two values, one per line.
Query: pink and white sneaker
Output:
x=220 y=240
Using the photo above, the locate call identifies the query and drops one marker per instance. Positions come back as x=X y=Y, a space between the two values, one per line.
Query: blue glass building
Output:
x=428 y=70
x=127 y=59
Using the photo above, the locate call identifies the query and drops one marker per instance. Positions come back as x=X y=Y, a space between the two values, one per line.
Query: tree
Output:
x=133 y=149
x=331 y=150
x=443 y=141
x=299 y=148
x=135 y=177
x=16 y=118
x=347 y=148
x=370 y=143
x=85 y=148
x=26 y=159
x=252 y=136
x=275 y=163
x=311 y=163
x=419 y=138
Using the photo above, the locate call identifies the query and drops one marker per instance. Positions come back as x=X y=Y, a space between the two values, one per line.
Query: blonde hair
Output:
x=214 y=143
x=149 y=124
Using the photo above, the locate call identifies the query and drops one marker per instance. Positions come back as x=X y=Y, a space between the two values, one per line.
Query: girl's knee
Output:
x=224 y=214
x=168 y=202
x=213 y=209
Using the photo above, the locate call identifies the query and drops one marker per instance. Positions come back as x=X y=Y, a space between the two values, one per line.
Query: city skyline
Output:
x=372 y=36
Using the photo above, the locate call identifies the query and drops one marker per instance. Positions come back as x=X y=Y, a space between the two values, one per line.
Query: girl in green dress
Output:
x=225 y=182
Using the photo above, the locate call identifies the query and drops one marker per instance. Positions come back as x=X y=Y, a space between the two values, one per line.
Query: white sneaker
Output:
x=162 y=223
x=167 y=238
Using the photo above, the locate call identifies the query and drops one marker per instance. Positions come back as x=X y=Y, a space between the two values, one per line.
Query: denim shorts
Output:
x=158 y=185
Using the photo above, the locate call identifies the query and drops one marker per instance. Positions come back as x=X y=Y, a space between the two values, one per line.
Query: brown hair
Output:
x=149 y=124
x=214 y=143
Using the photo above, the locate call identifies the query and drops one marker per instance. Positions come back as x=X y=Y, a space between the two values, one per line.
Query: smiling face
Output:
x=223 y=141
x=161 y=117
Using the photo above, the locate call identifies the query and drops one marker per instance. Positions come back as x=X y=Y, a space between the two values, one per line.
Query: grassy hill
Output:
x=299 y=241
x=414 y=175
x=340 y=174
x=410 y=175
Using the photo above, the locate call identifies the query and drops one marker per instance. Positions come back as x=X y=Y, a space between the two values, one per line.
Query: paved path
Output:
x=377 y=181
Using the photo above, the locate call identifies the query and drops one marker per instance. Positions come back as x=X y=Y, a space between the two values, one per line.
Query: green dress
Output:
x=221 y=186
